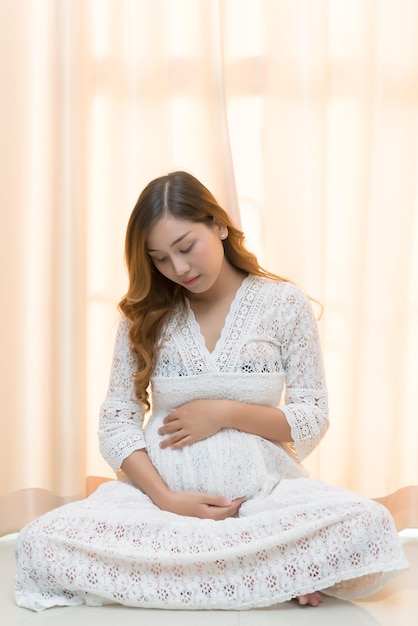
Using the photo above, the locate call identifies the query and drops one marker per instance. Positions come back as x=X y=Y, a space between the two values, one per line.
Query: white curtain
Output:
x=300 y=115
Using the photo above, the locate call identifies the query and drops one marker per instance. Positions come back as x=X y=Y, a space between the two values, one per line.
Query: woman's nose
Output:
x=180 y=266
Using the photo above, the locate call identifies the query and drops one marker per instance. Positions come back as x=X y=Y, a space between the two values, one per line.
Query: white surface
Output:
x=396 y=604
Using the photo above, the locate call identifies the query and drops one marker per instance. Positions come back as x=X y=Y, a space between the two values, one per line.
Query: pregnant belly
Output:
x=230 y=463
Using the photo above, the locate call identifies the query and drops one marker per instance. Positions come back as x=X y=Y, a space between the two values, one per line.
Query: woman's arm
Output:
x=306 y=400
x=123 y=445
x=302 y=420
x=142 y=473
x=121 y=416
x=183 y=428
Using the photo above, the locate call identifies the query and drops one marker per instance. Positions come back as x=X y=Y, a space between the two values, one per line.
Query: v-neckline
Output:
x=227 y=321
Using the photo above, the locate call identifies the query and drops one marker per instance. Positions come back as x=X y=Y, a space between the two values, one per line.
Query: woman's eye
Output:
x=187 y=249
x=163 y=260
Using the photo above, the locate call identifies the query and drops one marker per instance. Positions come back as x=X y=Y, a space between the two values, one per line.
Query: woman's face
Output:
x=188 y=253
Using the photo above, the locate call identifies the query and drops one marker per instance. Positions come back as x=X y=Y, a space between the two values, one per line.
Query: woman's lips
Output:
x=191 y=281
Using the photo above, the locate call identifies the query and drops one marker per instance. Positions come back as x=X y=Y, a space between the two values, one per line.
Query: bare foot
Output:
x=310 y=599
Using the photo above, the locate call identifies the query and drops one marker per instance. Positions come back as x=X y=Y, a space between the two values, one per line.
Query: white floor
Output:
x=396 y=605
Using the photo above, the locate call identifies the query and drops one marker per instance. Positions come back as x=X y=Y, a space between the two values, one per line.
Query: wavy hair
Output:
x=151 y=296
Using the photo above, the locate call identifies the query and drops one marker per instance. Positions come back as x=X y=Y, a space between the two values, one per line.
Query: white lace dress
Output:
x=293 y=535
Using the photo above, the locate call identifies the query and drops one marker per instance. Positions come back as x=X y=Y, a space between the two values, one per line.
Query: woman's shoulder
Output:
x=280 y=287
x=282 y=298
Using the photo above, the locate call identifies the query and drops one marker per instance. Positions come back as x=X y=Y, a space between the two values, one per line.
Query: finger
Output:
x=236 y=505
x=182 y=443
x=216 y=501
x=234 y=508
x=170 y=417
x=176 y=440
x=169 y=427
x=219 y=513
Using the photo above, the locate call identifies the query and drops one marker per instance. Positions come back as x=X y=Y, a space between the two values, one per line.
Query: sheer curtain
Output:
x=301 y=117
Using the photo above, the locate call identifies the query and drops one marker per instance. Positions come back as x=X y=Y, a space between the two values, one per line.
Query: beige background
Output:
x=301 y=117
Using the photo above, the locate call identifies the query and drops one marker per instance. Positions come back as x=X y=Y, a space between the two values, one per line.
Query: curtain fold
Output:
x=301 y=117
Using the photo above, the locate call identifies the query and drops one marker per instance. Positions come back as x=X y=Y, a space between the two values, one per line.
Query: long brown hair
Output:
x=151 y=296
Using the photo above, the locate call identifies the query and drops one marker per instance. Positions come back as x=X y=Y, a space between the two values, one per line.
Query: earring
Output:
x=223 y=236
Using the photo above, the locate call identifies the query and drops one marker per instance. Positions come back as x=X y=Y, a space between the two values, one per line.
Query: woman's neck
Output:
x=226 y=286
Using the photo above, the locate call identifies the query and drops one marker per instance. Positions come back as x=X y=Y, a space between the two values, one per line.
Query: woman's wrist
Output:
x=142 y=473
x=164 y=499
x=231 y=412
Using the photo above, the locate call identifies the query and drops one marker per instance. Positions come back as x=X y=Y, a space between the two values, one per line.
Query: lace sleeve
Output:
x=121 y=416
x=306 y=400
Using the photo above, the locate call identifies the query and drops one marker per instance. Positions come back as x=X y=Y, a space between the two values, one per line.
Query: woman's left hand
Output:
x=192 y=422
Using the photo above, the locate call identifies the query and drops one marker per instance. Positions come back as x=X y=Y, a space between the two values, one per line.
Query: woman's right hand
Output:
x=202 y=505
x=142 y=473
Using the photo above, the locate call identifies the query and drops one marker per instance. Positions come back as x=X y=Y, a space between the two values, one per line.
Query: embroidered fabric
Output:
x=270 y=330
x=292 y=536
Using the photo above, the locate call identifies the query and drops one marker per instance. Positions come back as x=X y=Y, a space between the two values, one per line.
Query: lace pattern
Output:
x=292 y=535
x=270 y=329
x=121 y=416
x=116 y=547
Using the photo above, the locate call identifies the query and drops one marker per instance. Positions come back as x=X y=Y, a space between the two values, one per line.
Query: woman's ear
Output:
x=222 y=229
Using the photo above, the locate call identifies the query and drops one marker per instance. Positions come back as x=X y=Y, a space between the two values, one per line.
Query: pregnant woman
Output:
x=212 y=508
